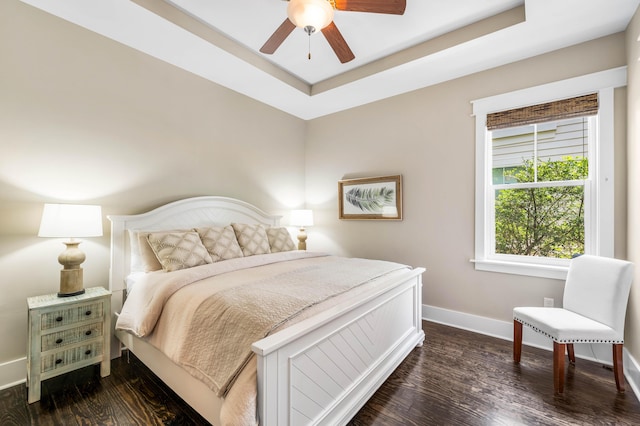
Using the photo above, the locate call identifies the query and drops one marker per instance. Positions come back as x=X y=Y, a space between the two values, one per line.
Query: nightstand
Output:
x=67 y=333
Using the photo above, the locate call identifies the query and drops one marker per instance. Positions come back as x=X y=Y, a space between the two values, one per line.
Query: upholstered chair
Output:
x=595 y=303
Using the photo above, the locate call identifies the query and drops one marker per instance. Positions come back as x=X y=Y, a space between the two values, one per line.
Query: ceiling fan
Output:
x=314 y=15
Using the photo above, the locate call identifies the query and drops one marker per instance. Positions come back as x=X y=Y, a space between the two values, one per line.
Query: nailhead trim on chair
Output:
x=566 y=340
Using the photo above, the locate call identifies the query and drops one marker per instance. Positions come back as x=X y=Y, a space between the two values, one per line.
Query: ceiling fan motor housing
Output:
x=316 y=14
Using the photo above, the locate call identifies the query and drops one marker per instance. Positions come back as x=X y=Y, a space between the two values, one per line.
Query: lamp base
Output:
x=71 y=294
x=302 y=240
x=71 y=282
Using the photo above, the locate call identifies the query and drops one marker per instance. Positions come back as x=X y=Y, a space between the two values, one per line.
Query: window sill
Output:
x=521 y=268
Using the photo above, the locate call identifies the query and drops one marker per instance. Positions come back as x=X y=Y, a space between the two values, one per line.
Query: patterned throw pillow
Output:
x=145 y=259
x=178 y=250
x=280 y=240
x=252 y=238
x=221 y=242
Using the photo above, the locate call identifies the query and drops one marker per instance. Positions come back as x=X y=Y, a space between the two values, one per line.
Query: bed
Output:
x=299 y=374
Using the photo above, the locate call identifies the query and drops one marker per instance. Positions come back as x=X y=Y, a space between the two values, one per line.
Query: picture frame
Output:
x=373 y=198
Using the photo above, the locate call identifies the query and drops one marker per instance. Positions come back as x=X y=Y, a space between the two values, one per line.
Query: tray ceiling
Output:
x=434 y=41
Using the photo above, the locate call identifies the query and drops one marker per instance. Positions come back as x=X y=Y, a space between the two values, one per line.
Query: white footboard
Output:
x=324 y=369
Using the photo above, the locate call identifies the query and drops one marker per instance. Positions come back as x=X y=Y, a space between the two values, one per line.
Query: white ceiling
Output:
x=437 y=40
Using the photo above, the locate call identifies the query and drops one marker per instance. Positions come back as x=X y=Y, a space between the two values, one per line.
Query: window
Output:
x=539 y=175
x=544 y=175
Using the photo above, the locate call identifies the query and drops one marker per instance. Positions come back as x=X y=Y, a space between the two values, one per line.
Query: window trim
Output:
x=600 y=240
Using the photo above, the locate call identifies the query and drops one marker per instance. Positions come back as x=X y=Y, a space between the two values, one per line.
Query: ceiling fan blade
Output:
x=278 y=37
x=392 y=7
x=337 y=43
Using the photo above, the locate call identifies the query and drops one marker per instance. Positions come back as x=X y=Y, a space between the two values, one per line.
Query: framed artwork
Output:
x=371 y=198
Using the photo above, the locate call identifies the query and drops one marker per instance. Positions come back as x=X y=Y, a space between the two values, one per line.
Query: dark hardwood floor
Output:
x=456 y=378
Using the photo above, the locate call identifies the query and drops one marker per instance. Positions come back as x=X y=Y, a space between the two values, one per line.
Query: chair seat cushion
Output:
x=565 y=326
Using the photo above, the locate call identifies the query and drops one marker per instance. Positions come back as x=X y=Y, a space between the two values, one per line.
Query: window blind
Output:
x=579 y=106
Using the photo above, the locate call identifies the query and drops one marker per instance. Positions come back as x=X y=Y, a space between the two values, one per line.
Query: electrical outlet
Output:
x=548 y=302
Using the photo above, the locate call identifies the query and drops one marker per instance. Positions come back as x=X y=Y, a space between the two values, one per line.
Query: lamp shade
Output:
x=302 y=218
x=71 y=220
x=310 y=13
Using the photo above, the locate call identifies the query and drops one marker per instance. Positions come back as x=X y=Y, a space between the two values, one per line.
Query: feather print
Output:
x=370 y=199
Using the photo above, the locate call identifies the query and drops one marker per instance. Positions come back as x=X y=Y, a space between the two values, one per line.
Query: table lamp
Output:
x=302 y=218
x=71 y=221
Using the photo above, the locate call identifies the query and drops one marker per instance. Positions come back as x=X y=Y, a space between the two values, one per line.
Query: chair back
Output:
x=598 y=288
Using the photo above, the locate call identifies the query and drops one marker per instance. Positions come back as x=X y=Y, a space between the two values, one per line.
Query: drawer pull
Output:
x=58 y=319
x=58 y=361
x=87 y=333
x=87 y=352
x=58 y=340
x=88 y=313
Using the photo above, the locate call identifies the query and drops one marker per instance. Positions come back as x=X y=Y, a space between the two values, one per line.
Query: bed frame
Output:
x=300 y=377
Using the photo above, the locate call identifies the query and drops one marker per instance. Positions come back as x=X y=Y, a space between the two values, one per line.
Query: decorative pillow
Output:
x=280 y=240
x=178 y=250
x=252 y=238
x=220 y=242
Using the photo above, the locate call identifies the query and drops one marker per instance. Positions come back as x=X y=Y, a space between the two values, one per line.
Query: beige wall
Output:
x=633 y=189
x=85 y=119
x=428 y=137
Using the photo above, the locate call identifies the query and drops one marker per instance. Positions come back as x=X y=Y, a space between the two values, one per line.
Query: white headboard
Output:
x=182 y=214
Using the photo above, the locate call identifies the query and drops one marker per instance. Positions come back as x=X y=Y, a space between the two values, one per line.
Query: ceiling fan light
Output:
x=310 y=13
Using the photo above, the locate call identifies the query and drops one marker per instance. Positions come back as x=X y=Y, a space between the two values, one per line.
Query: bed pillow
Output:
x=252 y=238
x=135 y=258
x=148 y=258
x=143 y=259
x=178 y=250
x=280 y=240
x=220 y=242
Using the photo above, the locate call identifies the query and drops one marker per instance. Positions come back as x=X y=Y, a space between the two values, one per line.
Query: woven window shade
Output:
x=580 y=106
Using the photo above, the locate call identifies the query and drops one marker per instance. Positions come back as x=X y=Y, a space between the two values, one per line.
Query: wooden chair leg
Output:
x=558 y=367
x=571 y=353
x=618 y=369
x=517 y=341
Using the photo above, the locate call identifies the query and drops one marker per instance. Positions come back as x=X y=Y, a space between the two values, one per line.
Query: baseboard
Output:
x=632 y=372
x=483 y=325
x=13 y=373
x=504 y=330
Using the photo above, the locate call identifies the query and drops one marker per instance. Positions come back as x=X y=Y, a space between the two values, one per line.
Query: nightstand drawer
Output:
x=69 y=337
x=72 y=315
x=71 y=356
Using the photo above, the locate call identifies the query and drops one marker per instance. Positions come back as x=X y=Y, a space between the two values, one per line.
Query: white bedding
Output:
x=155 y=309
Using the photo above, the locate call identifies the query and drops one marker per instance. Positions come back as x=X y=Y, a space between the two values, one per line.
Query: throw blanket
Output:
x=223 y=326
x=147 y=298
